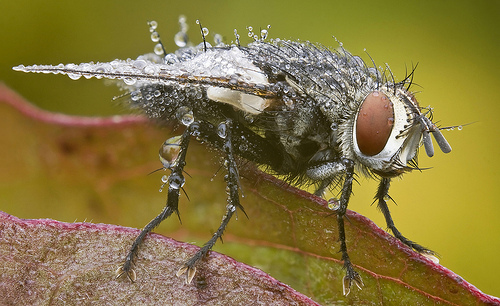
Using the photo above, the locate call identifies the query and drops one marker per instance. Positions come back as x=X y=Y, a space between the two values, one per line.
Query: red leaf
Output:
x=46 y=261
x=95 y=168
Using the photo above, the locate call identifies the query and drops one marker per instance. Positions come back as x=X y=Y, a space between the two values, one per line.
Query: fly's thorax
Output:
x=384 y=132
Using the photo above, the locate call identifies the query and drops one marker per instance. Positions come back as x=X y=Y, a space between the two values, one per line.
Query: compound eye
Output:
x=374 y=123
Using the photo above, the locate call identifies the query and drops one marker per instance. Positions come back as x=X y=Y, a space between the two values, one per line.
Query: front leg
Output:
x=327 y=173
x=382 y=194
x=351 y=275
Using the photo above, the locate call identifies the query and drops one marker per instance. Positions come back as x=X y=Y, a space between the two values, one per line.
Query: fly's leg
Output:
x=232 y=181
x=326 y=173
x=382 y=194
x=351 y=275
x=175 y=183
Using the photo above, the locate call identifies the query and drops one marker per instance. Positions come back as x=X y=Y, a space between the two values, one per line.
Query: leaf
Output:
x=66 y=167
x=46 y=262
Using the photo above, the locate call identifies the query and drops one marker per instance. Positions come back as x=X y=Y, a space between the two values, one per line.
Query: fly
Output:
x=312 y=115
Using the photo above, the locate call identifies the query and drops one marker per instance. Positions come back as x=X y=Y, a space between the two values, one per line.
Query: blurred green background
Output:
x=451 y=208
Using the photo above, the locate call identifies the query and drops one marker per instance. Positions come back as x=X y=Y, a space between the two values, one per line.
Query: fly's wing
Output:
x=226 y=74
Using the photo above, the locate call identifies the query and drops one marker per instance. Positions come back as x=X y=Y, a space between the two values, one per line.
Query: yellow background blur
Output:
x=451 y=208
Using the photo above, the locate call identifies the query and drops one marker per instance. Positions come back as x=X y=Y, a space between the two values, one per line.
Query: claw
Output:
x=130 y=274
x=348 y=279
x=190 y=272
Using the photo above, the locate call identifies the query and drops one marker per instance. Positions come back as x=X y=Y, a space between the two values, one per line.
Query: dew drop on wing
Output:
x=139 y=64
x=135 y=96
x=129 y=81
x=74 y=76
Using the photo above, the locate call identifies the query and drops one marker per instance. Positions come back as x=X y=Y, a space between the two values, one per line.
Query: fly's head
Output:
x=387 y=130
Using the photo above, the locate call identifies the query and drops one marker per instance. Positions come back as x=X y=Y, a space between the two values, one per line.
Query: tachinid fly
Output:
x=313 y=115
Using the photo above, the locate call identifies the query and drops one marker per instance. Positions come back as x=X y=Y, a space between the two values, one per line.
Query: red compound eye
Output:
x=374 y=123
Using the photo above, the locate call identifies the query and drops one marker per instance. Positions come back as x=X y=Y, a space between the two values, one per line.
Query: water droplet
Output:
x=150 y=69
x=158 y=49
x=139 y=64
x=169 y=151
x=187 y=119
x=243 y=147
x=237 y=36
x=431 y=257
x=183 y=26
x=129 y=81
x=176 y=181
x=135 y=95
x=333 y=203
x=201 y=46
x=74 y=76
x=164 y=180
x=185 y=115
x=157 y=93
x=205 y=31
x=263 y=34
x=22 y=67
x=180 y=39
x=171 y=59
x=218 y=40
x=155 y=37
x=222 y=130
x=460 y=127
x=152 y=25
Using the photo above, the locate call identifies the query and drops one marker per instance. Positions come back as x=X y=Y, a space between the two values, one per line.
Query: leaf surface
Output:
x=72 y=168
